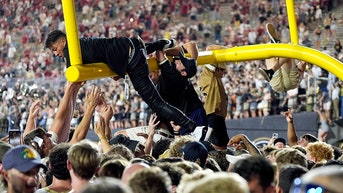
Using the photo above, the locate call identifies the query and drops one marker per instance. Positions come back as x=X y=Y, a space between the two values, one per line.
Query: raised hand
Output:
x=100 y=128
x=93 y=98
x=153 y=123
x=35 y=108
x=289 y=116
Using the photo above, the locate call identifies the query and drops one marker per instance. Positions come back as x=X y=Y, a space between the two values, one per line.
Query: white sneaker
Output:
x=202 y=133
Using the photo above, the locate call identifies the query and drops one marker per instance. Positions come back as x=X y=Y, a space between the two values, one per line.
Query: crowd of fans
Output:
x=35 y=98
x=28 y=71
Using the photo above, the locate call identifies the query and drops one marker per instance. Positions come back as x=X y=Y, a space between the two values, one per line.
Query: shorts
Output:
x=133 y=116
x=246 y=106
x=324 y=127
x=327 y=106
x=285 y=79
x=253 y=106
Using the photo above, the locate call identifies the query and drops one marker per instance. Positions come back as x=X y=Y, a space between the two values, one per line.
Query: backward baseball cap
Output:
x=22 y=158
x=190 y=65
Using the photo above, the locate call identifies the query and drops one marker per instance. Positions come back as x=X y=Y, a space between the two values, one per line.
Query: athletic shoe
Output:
x=202 y=133
x=164 y=44
x=274 y=38
x=267 y=74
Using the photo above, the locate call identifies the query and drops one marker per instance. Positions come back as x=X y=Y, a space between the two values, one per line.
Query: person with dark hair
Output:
x=174 y=172
x=212 y=164
x=287 y=174
x=220 y=158
x=124 y=55
x=160 y=147
x=258 y=171
x=57 y=166
x=174 y=84
x=113 y=168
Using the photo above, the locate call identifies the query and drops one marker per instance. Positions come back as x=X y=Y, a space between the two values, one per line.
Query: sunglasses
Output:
x=221 y=69
x=300 y=187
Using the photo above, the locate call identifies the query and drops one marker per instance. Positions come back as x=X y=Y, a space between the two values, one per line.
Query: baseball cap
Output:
x=190 y=65
x=221 y=65
x=122 y=139
x=193 y=151
x=22 y=158
x=241 y=154
x=282 y=140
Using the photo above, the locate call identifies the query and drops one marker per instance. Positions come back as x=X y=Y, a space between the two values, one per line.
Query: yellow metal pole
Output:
x=72 y=32
x=292 y=21
x=243 y=53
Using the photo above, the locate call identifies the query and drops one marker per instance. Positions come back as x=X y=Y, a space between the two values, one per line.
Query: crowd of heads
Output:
x=181 y=164
x=195 y=166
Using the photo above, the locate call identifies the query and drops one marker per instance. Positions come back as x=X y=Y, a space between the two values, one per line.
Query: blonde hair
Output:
x=219 y=182
x=321 y=151
x=84 y=159
x=177 y=144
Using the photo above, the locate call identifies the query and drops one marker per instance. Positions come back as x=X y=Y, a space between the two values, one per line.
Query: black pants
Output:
x=219 y=134
x=138 y=72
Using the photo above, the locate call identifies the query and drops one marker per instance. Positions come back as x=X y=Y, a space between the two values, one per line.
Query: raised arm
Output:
x=99 y=129
x=291 y=134
x=149 y=142
x=61 y=123
x=31 y=120
x=92 y=100
x=105 y=112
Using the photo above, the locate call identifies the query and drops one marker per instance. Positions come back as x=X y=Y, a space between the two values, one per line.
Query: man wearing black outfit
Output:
x=124 y=55
x=175 y=86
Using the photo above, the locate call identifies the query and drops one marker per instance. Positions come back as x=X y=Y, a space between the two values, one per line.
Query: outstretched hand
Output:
x=105 y=111
x=100 y=128
x=93 y=97
x=153 y=123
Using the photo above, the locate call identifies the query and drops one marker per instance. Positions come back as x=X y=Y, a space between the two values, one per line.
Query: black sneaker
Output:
x=164 y=44
x=161 y=45
x=274 y=38
x=267 y=74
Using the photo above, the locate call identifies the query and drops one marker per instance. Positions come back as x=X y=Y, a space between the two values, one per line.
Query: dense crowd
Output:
x=28 y=71
x=54 y=115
